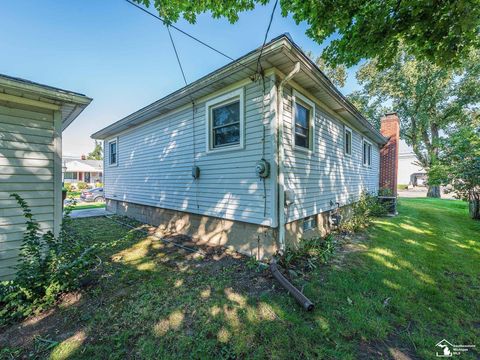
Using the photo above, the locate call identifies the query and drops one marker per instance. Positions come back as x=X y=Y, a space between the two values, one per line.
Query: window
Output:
x=225 y=121
x=112 y=152
x=309 y=223
x=367 y=153
x=304 y=113
x=70 y=175
x=347 y=140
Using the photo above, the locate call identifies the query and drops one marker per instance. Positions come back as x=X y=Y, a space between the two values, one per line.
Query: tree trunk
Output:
x=474 y=207
x=433 y=191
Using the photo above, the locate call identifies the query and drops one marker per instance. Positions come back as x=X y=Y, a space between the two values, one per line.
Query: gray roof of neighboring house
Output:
x=82 y=165
x=70 y=103
x=281 y=53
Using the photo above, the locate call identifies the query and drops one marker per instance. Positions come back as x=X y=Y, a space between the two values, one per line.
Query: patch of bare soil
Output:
x=50 y=321
x=389 y=349
x=347 y=244
x=213 y=259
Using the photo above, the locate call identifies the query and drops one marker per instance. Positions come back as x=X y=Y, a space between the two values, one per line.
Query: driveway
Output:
x=420 y=192
x=89 y=213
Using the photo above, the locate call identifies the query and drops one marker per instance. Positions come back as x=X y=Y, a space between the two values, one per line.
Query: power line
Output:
x=259 y=65
x=176 y=55
x=184 y=32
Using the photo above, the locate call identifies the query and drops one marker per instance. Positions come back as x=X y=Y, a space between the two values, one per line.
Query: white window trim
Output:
x=115 y=140
x=219 y=100
x=369 y=159
x=311 y=104
x=346 y=128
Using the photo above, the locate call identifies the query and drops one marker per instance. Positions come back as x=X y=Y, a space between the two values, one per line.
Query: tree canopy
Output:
x=429 y=99
x=442 y=32
x=458 y=164
x=336 y=74
x=97 y=152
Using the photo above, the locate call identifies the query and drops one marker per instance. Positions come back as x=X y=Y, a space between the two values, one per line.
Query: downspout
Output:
x=281 y=158
x=297 y=294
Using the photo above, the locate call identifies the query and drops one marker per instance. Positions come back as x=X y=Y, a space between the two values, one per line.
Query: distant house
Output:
x=81 y=170
x=32 y=118
x=237 y=159
x=409 y=171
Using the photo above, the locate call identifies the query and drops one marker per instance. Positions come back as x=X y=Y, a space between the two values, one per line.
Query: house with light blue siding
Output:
x=250 y=157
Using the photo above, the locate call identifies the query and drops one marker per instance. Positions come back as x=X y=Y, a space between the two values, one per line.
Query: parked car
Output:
x=91 y=195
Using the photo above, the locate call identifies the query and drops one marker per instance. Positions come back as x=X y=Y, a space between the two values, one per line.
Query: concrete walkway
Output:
x=89 y=213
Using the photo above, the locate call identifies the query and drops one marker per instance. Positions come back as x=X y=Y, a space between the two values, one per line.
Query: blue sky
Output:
x=121 y=57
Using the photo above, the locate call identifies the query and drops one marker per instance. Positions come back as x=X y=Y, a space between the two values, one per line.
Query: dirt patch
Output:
x=42 y=325
x=348 y=244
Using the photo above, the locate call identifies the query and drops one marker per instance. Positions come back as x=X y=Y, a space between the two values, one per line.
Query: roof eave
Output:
x=209 y=79
x=56 y=96
x=282 y=41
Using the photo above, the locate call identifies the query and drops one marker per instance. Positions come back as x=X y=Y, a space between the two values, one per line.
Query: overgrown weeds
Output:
x=47 y=266
x=363 y=212
x=310 y=253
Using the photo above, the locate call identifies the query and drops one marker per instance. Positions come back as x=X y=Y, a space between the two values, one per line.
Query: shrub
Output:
x=47 y=266
x=67 y=186
x=82 y=185
x=362 y=212
x=310 y=253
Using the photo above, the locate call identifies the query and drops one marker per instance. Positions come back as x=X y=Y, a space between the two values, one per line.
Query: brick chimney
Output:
x=390 y=128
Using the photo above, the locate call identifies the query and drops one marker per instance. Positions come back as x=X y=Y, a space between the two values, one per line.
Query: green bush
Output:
x=362 y=213
x=82 y=185
x=67 y=186
x=47 y=266
x=402 y=186
x=310 y=253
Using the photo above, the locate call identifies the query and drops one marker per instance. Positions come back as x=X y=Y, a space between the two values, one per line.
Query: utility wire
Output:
x=260 y=72
x=176 y=55
x=193 y=106
x=259 y=65
x=185 y=33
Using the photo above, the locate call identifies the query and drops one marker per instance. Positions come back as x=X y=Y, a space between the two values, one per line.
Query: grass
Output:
x=89 y=206
x=73 y=194
x=412 y=281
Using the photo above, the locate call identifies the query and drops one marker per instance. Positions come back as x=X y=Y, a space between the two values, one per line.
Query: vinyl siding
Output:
x=155 y=162
x=26 y=168
x=325 y=174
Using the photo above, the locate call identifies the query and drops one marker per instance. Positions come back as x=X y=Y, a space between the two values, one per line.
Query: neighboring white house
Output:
x=32 y=118
x=256 y=162
x=409 y=172
x=78 y=170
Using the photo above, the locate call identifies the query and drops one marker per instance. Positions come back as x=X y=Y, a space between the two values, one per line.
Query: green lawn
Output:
x=73 y=194
x=92 y=205
x=410 y=282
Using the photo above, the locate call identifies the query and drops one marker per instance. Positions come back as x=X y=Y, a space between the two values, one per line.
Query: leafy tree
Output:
x=372 y=108
x=429 y=100
x=97 y=153
x=337 y=74
x=459 y=165
x=443 y=32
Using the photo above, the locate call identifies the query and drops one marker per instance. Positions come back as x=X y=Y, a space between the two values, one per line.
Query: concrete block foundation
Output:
x=249 y=239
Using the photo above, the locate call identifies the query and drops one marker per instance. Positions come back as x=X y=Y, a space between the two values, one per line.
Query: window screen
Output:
x=302 y=126
x=225 y=124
